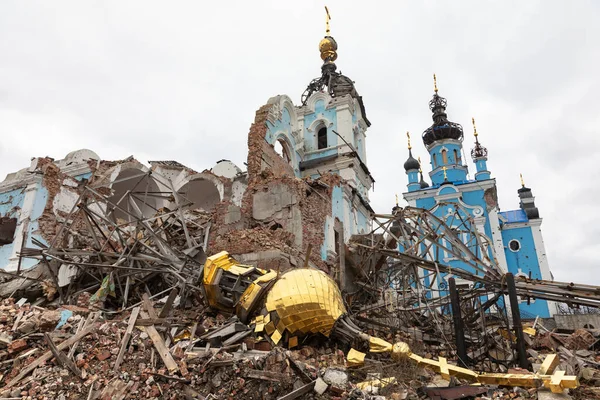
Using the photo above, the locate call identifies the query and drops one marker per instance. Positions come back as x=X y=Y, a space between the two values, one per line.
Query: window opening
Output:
x=322 y=138
x=457 y=159
x=444 y=157
x=7 y=230
x=281 y=149
x=514 y=245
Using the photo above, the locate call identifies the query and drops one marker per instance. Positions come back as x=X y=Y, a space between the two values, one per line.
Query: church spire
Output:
x=411 y=163
x=441 y=128
x=411 y=166
x=478 y=151
x=337 y=85
x=328 y=45
x=479 y=155
x=422 y=182
x=443 y=140
x=527 y=201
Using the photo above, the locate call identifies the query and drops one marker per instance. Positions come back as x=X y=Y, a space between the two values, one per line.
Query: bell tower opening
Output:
x=322 y=138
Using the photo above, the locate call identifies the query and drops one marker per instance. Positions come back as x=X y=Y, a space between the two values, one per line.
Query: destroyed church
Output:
x=306 y=186
x=281 y=280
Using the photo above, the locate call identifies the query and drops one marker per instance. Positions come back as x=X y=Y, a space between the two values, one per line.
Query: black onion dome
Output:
x=441 y=128
x=411 y=162
x=422 y=183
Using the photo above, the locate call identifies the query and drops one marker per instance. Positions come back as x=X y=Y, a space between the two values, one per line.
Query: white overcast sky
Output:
x=182 y=80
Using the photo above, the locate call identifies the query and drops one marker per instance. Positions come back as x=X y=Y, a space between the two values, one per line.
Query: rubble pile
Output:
x=156 y=350
x=124 y=305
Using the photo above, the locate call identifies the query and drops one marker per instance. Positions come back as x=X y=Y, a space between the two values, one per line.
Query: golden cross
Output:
x=327 y=18
x=419 y=158
x=396 y=199
x=408 y=136
x=474 y=127
x=445 y=175
x=522 y=182
x=435 y=83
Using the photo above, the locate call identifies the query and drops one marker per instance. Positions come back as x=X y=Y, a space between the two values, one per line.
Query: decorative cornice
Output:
x=467 y=187
x=443 y=142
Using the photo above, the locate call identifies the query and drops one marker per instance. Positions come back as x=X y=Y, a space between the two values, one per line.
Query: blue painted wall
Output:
x=282 y=130
x=524 y=261
x=10 y=205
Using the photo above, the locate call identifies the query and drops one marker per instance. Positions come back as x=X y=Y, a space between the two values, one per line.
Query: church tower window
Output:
x=444 y=157
x=322 y=138
x=435 y=164
x=514 y=245
x=457 y=159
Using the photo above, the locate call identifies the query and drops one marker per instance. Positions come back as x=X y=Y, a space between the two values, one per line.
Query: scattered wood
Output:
x=132 y=321
x=61 y=357
x=298 y=393
x=266 y=375
x=160 y=347
x=168 y=304
x=48 y=355
x=171 y=378
x=149 y=306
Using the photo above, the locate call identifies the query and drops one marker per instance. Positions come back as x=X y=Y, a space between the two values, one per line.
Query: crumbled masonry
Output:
x=280 y=282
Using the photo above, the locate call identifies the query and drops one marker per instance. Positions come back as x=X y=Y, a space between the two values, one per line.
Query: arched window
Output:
x=457 y=159
x=282 y=149
x=435 y=164
x=322 y=138
x=444 y=157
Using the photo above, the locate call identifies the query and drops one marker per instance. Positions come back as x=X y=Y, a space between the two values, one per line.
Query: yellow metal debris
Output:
x=306 y=301
x=223 y=264
x=276 y=337
x=556 y=382
x=549 y=365
x=530 y=331
x=355 y=357
x=377 y=345
x=376 y=383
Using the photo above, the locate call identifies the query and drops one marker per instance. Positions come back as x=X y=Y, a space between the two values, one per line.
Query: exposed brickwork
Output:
x=261 y=155
x=267 y=171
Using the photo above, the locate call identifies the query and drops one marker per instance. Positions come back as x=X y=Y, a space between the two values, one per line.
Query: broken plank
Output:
x=168 y=304
x=48 y=355
x=17 y=320
x=265 y=375
x=192 y=336
x=150 y=321
x=149 y=306
x=61 y=357
x=298 y=393
x=132 y=321
x=237 y=337
x=159 y=344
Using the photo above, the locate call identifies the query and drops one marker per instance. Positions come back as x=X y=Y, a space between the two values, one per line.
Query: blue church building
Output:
x=516 y=237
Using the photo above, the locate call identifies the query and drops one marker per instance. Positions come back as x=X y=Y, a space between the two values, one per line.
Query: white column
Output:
x=31 y=192
x=540 y=250
x=497 y=240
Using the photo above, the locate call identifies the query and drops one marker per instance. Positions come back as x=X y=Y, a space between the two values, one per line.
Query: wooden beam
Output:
x=164 y=313
x=159 y=344
x=48 y=355
x=61 y=357
x=132 y=319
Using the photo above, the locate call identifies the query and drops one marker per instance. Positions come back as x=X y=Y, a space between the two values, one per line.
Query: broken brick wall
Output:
x=279 y=211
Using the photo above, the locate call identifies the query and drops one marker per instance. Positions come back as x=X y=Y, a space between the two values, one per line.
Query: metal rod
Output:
x=459 y=330
x=516 y=316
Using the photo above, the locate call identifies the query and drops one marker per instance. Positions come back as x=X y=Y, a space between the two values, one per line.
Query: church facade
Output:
x=516 y=244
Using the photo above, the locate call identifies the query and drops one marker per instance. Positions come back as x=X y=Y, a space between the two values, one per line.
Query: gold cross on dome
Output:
x=445 y=175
